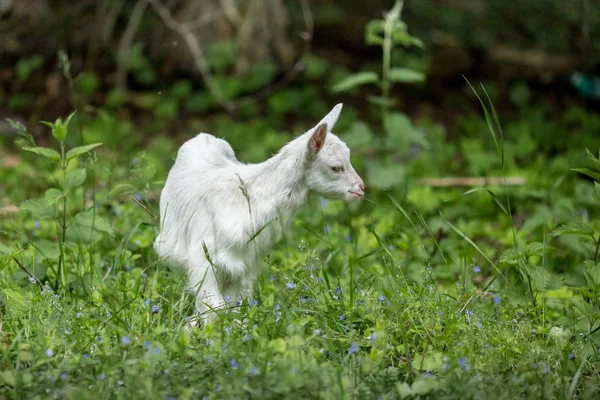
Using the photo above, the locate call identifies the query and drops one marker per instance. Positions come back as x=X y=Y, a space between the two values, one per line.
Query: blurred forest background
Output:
x=123 y=51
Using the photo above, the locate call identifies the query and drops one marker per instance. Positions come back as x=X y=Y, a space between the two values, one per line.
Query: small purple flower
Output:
x=99 y=339
x=86 y=355
x=546 y=369
x=138 y=196
x=427 y=374
x=125 y=340
x=234 y=364
x=108 y=313
x=462 y=362
x=353 y=349
x=291 y=285
x=272 y=277
x=102 y=376
x=32 y=279
x=338 y=290
x=247 y=338
x=253 y=371
x=146 y=344
x=78 y=315
x=348 y=238
x=277 y=307
x=476 y=269
x=36 y=224
x=497 y=299
x=147 y=302
x=571 y=356
x=50 y=353
x=323 y=203
x=487 y=346
x=470 y=313
x=155 y=309
x=440 y=313
x=253 y=302
x=227 y=298
x=478 y=324
x=326 y=229
x=341 y=317
x=381 y=298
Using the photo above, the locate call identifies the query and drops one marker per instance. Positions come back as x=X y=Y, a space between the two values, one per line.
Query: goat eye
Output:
x=337 y=169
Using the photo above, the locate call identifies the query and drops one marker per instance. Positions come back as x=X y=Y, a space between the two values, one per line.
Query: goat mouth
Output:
x=355 y=193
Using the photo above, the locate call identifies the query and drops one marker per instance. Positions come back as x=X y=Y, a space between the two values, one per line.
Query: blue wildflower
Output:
x=108 y=313
x=146 y=344
x=154 y=309
x=50 y=353
x=440 y=313
x=497 y=299
x=341 y=317
x=227 y=298
x=291 y=285
x=253 y=302
x=462 y=362
x=470 y=313
x=253 y=371
x=277 y=307
x=478 y=324
x=234 y=364
x=102 y=376
x=272 y=277
x=427 y=374
x=476 y=269
x=381 y=298
x=78 y=315
x=32 y=279
x=125 y=340
x=147 y=302
x=36 y=224
x=99 y=339
x=323 y=203
x=137 y=196
x=86 y=355
x=347 y=238
x=326 y=229
x=487 y=346
x=353 y=349
x=338 y=290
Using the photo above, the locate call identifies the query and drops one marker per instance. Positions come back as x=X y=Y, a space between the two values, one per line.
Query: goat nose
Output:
x=362 y=187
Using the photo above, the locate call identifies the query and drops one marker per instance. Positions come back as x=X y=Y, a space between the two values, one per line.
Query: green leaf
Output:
x=40 y=208
x=77 y=151
x=48 y=249
x=402 y=133
x=44 y=152
x=355 y=80
x=374 y=32
x=385 y=176
x=594 y=161
x=52 y=196
x=573 y=228
x=14 y=300
x=406 y=75
x=74 y=179
x=4 y=249
x=358 y=136
x=87 y=226
x=592 y=174
x=381 y=101
x=584 y=307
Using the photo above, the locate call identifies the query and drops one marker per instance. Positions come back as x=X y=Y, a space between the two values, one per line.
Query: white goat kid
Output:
x=218 y=216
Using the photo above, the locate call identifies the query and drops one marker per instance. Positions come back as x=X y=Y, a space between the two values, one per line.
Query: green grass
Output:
x=417 y=293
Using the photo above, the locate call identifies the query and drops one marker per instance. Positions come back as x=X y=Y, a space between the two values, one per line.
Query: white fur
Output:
x=212 y=201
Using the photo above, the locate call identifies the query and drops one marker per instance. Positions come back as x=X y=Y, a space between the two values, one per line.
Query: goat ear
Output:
x=317 y=139
x=331 y=118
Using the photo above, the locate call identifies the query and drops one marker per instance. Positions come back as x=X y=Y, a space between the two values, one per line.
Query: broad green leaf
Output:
x=594 y=161
x=401 y=133
x=406 y=75
x=510 y=256
x=74 y=179
x=385 y=176
x=355 y=80
x=40 y=208
x=596 y=193
x=358 y=136
x=87 y=226
x=574 y=228
x=592 y=174
x=52 y=196
x=44 y=152
x=584 y=307
x=4 y=249
x=48 y=249
x=431 y=361
x=14 y=300
x=77 y=151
